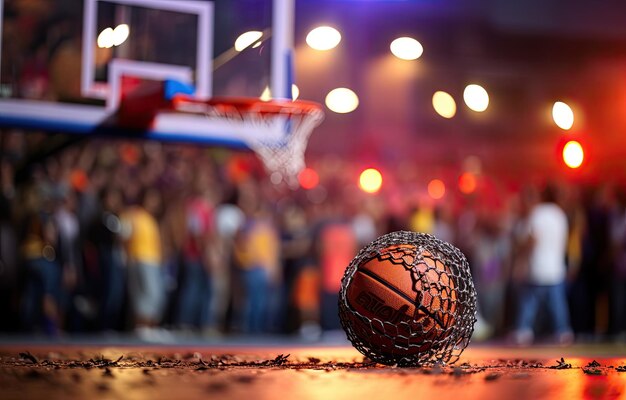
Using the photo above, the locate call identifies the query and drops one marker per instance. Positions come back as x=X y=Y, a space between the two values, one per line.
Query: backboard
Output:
x=65 y=64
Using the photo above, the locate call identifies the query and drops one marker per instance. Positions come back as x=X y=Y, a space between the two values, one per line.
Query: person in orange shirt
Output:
x=336 y=245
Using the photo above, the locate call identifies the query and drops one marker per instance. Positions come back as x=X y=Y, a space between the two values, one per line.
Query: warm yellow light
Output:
x=370 y=180
x=444 y=104
x=110 y=37
x=573 y=154
x=266 y=95
x=562 y=115
x=246 y=39
x=342 y=100
x=406 y=48
x=120 y=34
x=436 y=189
x=476 y=98
x=323 y=38
x=105 y=39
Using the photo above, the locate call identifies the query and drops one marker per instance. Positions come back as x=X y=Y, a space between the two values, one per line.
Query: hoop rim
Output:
x=246 y=105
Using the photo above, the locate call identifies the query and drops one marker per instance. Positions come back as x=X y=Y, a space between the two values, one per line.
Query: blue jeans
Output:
x=192 y=296
x=114 y=286
x=329 y=311
x=146 y=290
x=552 y=297
x=255 y=304
x=43 y=278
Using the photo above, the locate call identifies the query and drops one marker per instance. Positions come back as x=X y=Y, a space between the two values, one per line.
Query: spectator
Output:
x=443 y=225
x=490 y=255
x=229 y=219
x=300 y=276
x=8 y=249
x=545 y=283
x=145 y=275
x=106 y=236
x=257 y=252
x=195 y=288
x=593 y=279
x=69 y=255
x=618 y=275
x=40 y=308
x=336 y=246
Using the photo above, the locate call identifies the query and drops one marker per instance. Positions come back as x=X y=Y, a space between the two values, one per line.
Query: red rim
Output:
x=250 y=104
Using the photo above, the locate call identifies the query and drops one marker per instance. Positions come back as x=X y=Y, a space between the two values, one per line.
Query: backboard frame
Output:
x=89 y=119
x=204 y=50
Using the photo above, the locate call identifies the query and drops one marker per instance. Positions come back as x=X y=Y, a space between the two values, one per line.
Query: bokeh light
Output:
x=573 y=154
x=120 y=34
x=246 y=39
x=323 y=38
x=370 y=180
x=467 y=183
x=342 y=100
x=476 y=98
x=308 y=178
x=105 y=38
x=406 y=48
x=266 y=95
x=110 y=37
x=444 y=104
x=562 y=115
x=436 y=189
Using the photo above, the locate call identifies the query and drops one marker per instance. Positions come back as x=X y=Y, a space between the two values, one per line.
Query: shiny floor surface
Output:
x=273 y=372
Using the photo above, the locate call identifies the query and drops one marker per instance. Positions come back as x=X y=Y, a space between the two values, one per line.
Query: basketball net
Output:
x=286 y=125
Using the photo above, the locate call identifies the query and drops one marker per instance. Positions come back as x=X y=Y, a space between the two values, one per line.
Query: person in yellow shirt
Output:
x=257 y=256
x=143 y=251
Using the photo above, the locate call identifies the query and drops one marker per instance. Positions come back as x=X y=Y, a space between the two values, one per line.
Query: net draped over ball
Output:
x=408 y=299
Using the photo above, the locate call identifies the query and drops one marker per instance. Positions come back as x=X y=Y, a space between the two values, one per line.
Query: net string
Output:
x=284 y=152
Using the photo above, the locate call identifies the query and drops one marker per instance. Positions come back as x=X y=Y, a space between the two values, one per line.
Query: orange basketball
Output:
x=407 y=299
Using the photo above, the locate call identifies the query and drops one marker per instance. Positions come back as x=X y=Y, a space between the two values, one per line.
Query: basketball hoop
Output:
x=287 y=126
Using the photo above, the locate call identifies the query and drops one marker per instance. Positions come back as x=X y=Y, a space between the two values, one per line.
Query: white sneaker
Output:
x=523 y=338
x=565 y=338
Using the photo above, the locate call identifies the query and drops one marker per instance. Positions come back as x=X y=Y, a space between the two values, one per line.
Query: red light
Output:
x=436 y=189
x=308 y=178
x=370 y=180
x=467 y=183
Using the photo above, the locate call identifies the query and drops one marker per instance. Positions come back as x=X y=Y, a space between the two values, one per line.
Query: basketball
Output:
x=408 y=299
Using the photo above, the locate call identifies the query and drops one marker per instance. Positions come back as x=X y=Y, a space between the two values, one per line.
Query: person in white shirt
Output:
x=547 y=270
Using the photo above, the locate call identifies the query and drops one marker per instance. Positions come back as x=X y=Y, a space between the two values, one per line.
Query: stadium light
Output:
x=476 y=98
x=323 y=38
x=444 y=104
x=563 y=115
x=246 y=39
x=370 y=180
x=342 y=100
x=573 y=154
x=406 y=48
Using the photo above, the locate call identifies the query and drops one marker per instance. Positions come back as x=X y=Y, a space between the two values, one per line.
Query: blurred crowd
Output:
x=111 y=235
